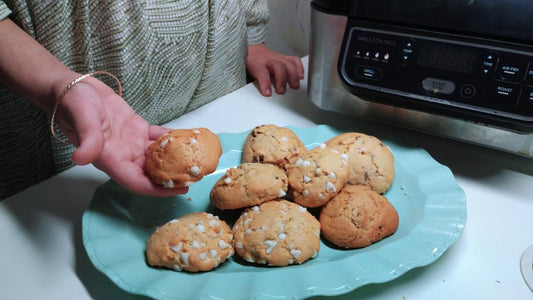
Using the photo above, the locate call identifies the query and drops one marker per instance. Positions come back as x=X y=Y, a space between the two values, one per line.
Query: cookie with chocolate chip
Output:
x=272 y=144
x=249 y=184
x=276 y=233
x=358 y=217
x=371 y=163
x=183 y=156
x=317 y=176
x=195 y=242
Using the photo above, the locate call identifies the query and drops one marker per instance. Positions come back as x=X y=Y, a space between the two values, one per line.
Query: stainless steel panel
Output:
x=326 y=90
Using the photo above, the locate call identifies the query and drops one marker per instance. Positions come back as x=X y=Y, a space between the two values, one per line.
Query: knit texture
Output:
x=170 y=56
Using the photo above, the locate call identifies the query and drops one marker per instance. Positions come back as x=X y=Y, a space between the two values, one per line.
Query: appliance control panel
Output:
x=484 y=83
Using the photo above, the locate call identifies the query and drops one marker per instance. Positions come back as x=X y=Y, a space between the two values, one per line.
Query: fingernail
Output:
x=268 y=92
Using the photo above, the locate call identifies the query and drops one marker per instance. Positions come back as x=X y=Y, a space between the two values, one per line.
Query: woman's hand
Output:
x=272 y=68
x=110 y=135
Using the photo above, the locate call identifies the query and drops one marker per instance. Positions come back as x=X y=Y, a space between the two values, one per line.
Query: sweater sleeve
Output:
x=257 y=14
x=4 y=10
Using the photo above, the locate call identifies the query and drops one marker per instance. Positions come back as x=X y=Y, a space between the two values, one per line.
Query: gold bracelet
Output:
x=67 y=88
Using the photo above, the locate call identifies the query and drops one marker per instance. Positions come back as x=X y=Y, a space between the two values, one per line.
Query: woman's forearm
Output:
x=28 y=69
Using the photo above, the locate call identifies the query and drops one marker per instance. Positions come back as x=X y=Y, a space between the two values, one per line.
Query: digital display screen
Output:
x=446 y=57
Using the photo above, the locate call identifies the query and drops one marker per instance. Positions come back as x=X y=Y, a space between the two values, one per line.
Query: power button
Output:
x=468 y=91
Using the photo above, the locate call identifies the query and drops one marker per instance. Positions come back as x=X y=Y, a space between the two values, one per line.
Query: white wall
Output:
x=289 y=26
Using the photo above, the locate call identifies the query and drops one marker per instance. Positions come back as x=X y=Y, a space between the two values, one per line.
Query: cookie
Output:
x=183 y=156
x=195 y=242
x=249 y=184
x=272 y=144
x=276 y=233
x=317 y=176
x=371 y=162
x=358 y=217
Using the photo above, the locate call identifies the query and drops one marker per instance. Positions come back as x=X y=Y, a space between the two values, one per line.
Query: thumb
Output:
x=91 y=143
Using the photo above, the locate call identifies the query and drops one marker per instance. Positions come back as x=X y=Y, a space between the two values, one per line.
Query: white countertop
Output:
x=40 y=228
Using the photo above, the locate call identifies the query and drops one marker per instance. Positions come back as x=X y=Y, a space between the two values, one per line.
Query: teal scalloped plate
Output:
x=431 y=206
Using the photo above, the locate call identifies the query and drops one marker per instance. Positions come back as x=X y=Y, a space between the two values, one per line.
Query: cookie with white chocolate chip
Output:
x=249 y=184
x=358 y=217
x=272 y=144
x=317 y=176
x=371 y=162
x=276 y=233
x=183 y=156
x=195 y=242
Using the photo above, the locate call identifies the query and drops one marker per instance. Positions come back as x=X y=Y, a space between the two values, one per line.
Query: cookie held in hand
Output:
x=183 y=156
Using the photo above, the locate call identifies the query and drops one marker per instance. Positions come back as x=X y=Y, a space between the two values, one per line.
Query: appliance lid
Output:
x=508 y=20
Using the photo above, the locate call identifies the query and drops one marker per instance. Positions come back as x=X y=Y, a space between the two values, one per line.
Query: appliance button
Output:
x=468 y=91
x=488 y=64
x=511 y=71
x=529 y=75
x=525 y=105
x=367 y=72
x=438 y=86
x=504 y=95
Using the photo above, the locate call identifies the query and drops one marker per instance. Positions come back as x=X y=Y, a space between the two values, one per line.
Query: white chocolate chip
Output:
x=302 y=209
x=344 y=156
x=195 y=170
x=164 y=142
x=184 y=257
x=330 y=187
x=282 y=193
x=213 y=253
x=322 y=146
x=196 y=131
x=194 y=141
x=188 y=183
x=283 y=138
x=214 y=223
x=306 y=179
x=168 y=184
x=255 y=208
x=195 y=244
x=333 y=176
x=203 y=255
x=177 y=248
x=227 y=180
x=305 y=193
x=270 y=244
x=238 y=245
x=176 y=268
x=296 y=253
x=318 y=171
x=222 y=244
x=282 y=236
x=200 y=227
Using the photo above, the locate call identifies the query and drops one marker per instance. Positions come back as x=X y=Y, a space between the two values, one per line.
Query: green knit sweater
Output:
x=170 y=56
